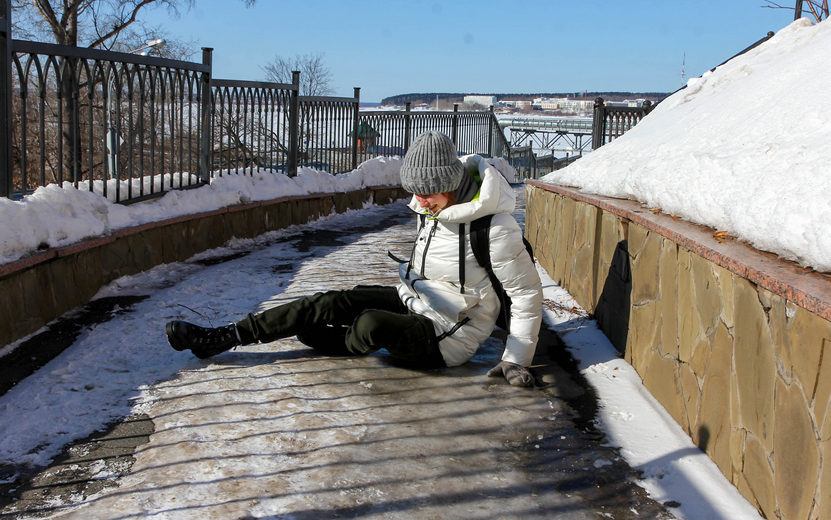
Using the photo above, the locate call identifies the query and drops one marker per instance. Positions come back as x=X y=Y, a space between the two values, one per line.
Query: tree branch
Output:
x=118 y=27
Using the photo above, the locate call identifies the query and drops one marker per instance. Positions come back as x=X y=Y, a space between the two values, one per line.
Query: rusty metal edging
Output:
x=803 y=286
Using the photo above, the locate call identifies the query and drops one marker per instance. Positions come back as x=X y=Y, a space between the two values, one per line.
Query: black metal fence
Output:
x=531 y=166
x=132 y=127
x=329 y=132
x=610 y=122
x=390 y=133
x=118 y=123
x=252 y=126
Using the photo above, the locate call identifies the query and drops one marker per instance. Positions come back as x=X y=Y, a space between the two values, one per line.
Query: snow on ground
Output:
x=741 y=149
x=744 y=149
x=111 y=369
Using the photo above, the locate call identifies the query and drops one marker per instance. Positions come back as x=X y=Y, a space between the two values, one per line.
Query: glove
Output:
x=516 y=375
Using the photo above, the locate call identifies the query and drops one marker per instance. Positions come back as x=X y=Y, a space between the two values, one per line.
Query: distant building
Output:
x=547 y=104
x=516 y=103
x=485 y=101
x=564 y=104
x=632 y=103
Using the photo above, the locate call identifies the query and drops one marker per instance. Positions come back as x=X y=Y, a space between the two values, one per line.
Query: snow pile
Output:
x=55 y=216
x=743 y=148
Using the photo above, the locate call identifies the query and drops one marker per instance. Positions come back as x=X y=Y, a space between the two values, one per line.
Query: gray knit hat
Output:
x=431 y=165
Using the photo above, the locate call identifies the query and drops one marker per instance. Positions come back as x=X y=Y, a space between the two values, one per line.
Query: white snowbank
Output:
x=744 y=149
x=56 y=216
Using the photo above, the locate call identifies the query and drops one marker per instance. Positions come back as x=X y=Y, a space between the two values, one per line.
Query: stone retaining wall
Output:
x=37 y=289
x=735 y=343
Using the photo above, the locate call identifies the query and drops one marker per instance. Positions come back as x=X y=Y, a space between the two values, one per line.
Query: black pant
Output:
x=357 y=321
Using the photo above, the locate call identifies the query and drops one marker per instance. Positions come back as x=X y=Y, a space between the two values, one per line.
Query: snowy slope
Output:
x=744 y=149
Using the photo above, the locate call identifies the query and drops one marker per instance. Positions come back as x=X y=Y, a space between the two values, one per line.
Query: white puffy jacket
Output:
x=430 y=281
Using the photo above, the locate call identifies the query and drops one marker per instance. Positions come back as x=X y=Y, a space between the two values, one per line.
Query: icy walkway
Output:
x=275 y=431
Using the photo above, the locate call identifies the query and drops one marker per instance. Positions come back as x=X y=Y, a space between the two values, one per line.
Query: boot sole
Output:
x=171 y=334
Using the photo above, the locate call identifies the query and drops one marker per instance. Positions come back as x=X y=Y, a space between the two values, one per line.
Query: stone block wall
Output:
x=735 y=343
x=37 y=289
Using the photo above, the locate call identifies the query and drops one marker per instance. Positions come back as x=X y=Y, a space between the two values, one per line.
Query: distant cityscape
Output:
x=579 y=104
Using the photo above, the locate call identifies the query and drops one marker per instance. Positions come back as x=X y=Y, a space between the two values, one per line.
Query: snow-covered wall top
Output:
x=744 y=148
x=56 y=216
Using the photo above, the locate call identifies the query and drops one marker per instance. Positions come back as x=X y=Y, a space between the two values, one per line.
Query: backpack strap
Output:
x=462 y=257
x=480 y=242
x=481 y=245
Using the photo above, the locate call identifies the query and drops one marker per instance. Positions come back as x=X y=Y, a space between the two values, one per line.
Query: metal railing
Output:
x=329 y=132
x=610 y=122
x=132 y=127
x=390 y=133
x=119 y=123
x=524 y=161
x=5 y=97
x=252 y=127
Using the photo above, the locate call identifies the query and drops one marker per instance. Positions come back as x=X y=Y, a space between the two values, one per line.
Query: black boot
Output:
x=203 y=342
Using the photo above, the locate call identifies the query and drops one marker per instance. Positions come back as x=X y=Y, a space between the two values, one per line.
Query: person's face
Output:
x=437 y=201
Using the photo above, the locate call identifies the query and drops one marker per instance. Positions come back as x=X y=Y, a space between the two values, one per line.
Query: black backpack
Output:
x=480 y=243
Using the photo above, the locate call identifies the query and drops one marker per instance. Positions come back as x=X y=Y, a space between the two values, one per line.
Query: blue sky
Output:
x=390 y=47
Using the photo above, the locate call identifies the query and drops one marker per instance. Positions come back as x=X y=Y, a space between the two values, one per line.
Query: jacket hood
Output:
x=495 y=195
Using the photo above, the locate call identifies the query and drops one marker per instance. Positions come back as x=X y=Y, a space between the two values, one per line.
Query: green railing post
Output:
x=205 y=141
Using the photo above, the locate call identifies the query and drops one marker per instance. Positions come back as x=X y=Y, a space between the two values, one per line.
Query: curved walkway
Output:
x=275 y=431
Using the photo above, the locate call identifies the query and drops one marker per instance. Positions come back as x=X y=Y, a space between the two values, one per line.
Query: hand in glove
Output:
x=515 y=374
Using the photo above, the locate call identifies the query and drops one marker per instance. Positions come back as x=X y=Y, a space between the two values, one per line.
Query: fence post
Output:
x=490 y=131
x=455 y=130
x=294 y=123
x=598 y=124
x=355 y=128
x=407 y=127
x=5 y=98
x=206 y=144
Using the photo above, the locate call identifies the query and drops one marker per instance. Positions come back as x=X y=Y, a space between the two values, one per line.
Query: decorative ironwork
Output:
x=611 y=122
x=125 y=126
x=132 y=127
x=327 y=133
x=250 y=127
x=389 y=133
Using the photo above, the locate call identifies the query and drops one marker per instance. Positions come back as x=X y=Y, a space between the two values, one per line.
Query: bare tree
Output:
x=88 y=23
x=818 y=9
x=106 y=24
x=315 y=75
